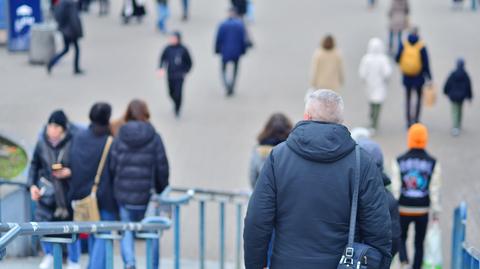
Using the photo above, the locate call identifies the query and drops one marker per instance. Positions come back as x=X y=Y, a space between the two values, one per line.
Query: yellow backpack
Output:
x=411 y=59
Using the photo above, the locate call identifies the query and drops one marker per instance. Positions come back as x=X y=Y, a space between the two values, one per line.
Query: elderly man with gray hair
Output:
x=304 y=195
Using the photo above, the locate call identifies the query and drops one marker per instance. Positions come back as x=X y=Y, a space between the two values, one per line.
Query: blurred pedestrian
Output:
x=139 y=167
x=398 y=16
x=457 y=4
x=375 y=70
x=163 y=14
x=231 y=43
x=104 y=7
x=70 y=25
x=185 y=9
x=89 y=157
x=136 y=110
x=133 y=9
x=458 y=88
x=176 y=63
x=327 y=66
x=376 y=153
x=415 y=67
x=49 y=181
x=240 y=6
x=416 y=179
x=304 y=192
x=276 y=131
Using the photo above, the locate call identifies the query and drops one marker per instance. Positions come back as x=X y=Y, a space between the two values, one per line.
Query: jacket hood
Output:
x=320 y=141
x=460 y=64
x=375 y=46
x=413 y=38
x=136 y=133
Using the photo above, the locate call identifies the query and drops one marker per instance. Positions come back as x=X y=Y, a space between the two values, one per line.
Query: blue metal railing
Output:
x=151 y=230
x=463 y=255
x=239 y=199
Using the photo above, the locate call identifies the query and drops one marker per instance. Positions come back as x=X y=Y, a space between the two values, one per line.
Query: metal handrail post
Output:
x=109 y=239
x=176 y=232
x=109 y=254
x=222 y=235
x=202 y=233
x=239 y=236
x=57 y=256
x=458 y=236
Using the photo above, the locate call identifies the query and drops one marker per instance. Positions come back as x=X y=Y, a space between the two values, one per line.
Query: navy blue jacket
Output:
x=231 y=41
x=304 y=192
x=416 y=81
x=138 y=164
x=458 y=86
x=177 y=60
x=85 y=154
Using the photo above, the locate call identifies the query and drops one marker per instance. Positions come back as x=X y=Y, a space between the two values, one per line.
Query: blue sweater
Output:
x=231 y=40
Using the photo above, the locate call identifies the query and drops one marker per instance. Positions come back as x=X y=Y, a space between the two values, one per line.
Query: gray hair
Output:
x=325 y=105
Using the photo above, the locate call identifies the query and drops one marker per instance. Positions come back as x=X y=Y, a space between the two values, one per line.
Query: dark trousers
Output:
x=421 y=223
x=229 y=82
x=67 y=43
x=415 y=117
x=175 y=86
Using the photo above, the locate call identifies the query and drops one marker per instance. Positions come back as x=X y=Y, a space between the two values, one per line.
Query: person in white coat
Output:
x=375 y=70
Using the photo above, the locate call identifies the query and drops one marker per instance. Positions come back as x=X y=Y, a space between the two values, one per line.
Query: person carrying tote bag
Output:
x=358 y=255
x=86 y=209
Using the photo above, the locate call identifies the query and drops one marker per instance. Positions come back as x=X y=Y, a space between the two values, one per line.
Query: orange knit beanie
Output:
x=417 y=136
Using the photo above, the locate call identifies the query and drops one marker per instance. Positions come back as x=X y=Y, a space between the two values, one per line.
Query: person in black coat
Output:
x=139 y=166
x=458 y=88
x=304 y=192
x=49 y=181
x=85 y=154
x=231 y=44
x=177 y=62
x=69 y=24
x=377 y=155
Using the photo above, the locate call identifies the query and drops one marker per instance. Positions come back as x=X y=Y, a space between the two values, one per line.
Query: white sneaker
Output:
x=73 y=265
x=47 y=262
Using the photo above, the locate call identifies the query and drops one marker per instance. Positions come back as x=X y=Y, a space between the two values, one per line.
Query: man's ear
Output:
x=307 y=116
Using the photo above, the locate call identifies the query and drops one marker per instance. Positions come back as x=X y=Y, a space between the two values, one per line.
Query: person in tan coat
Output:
x=327 y=66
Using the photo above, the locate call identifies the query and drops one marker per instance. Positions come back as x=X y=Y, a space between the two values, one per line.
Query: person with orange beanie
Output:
x=416 y=182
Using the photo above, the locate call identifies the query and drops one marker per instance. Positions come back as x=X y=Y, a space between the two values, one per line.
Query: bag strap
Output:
x=101 y=165
x=353 y=213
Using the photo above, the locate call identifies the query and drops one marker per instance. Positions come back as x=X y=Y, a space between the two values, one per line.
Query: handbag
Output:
x=430 y=93
x=358 y=255
x=433 y=248
x=86 y=209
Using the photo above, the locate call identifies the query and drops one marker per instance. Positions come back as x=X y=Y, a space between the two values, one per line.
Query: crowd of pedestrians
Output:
x=314 y=172
x=121 y=164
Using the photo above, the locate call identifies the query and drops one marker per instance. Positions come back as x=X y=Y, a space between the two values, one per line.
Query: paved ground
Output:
x=211 y=144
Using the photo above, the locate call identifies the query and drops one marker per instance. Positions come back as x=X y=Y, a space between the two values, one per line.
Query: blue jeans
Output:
x=73 y=250
x=128 y=241
x=163 y=14
x=96 y=247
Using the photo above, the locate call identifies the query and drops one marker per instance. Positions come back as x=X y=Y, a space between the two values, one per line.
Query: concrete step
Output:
x=166 y=263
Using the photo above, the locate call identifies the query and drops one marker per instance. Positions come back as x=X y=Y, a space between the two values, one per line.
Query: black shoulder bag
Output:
x=358 y=255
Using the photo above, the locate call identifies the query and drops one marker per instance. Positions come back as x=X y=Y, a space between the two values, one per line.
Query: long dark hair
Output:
x=276 y=130
x=137 y=110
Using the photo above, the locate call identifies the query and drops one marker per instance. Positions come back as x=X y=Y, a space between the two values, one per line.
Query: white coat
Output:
x=375 y=70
